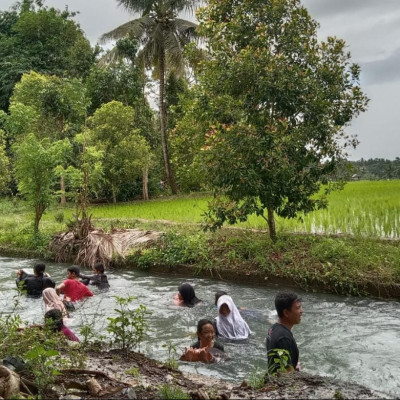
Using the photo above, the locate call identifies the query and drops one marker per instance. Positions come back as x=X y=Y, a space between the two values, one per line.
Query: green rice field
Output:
x=364 y=208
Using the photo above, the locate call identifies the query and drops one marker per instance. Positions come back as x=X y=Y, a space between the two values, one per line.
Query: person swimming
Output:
x=186 y=296
x=36 y=283
x=229 y=323
x=206 y=349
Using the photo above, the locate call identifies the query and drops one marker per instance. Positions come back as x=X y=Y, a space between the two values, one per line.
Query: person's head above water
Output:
x=73 y=272
x=98 y=268
x=230 y=323
x=54 y=319
x=219 y=294
x=188 y=295
x=38 y=269
x=205 y=331
x=288 y=307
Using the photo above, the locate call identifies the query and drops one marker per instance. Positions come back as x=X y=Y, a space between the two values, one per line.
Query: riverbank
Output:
x=115 y=374
x=338 y=264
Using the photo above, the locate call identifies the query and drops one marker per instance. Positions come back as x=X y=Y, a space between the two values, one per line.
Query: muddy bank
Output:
x=134 y=376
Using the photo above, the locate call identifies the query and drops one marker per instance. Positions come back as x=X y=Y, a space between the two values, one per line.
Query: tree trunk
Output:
x=114 y=196
x=163 y=127
x=63 y=198
x=145 y=187
x=271 y=224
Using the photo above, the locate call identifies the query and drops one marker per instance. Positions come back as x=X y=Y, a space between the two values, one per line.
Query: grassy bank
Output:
x=361 y=263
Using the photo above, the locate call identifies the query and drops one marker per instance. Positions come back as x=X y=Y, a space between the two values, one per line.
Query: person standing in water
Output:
x=229 y=323
x=280 y=336
x=72 y=289
x=36 y=283
x=99 y=278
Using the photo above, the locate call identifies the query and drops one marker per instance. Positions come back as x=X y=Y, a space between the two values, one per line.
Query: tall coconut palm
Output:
x=162 y=36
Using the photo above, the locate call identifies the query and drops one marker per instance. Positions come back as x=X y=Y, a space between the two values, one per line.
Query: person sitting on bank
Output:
x=52 y=301
x=99 y=278
x=202 y=350
x=229 y=323
x=186 y=296
x=280 y=336
x=72 y=289
x=36 y=283
x=54 y=319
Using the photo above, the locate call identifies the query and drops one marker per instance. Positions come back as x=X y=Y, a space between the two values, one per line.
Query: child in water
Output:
x=99 y=278
x=206 y=347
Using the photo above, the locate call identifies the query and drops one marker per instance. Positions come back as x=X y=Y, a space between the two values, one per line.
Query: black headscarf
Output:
x=188 y=295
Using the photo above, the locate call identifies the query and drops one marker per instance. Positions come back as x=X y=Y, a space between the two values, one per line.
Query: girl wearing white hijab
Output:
x=52 y=300
x=230 y=324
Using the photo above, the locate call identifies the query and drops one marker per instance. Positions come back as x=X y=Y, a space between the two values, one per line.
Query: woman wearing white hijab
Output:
x=230 y=324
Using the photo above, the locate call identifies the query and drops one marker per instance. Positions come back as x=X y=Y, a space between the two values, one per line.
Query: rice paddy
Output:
x=364 y=208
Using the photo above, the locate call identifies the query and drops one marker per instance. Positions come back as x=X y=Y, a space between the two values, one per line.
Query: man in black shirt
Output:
x=280 y=336
x=36 y=283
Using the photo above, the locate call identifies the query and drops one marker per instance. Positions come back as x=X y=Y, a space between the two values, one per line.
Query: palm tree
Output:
x=162 y=37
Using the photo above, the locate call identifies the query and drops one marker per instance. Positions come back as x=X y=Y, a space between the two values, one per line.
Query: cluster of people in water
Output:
x=229 y=325
x=73 y=289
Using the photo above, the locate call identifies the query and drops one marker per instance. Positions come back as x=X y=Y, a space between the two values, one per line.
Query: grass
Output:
x=366 y=212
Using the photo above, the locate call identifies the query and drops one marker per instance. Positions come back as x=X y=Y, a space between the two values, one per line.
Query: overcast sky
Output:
x=371 y=29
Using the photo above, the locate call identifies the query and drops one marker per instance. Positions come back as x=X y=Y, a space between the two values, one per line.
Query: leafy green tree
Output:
x=50 y=107
x=5 y=175
x=42 y=39
x=163 y=37
x=126 y=153
x=276 y=101
x=35 y=160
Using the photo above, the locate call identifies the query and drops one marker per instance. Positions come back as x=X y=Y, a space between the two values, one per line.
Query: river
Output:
x=352 y=339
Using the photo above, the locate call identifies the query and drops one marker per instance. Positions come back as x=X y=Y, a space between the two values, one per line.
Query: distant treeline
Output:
x=373 y=169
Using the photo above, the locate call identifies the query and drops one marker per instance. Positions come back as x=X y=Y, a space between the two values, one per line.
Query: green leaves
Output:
x=274 y=102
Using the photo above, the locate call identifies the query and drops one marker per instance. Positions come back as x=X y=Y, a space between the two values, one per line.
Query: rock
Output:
x=94 y=387
x=131 y=393
x=9 y=383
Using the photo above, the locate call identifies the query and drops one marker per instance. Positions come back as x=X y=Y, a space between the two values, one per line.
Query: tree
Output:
x=163 y=37
x=35 y=160
x=126 y=154
x=276 y=102
x=5 y=176
x=50 y=107
x=42 y=39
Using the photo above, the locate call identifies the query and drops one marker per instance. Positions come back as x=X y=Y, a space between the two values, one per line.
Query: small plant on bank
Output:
x=133 y=371
x=41 y=364
x=172 y=392
x=256 y=378
x=128 y=327
x=172 y=355
x=280 y=362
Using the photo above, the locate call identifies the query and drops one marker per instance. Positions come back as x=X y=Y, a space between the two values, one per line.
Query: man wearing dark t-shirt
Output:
x=280 y=336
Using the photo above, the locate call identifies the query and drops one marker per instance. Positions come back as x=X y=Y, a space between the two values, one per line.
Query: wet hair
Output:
x=285 y=301
x=219 y=294
x=99 y=267
x=38 y=269
x=74 y=270
x=54 y=318
x=187 y=292
x=203 y=322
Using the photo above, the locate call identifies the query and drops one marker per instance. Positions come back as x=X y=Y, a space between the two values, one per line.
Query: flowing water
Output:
x=352 y=339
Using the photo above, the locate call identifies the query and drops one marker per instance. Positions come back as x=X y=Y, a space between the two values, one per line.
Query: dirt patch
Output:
x=134 y=376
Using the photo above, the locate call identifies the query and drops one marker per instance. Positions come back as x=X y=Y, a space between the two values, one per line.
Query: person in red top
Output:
x=72 y=289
